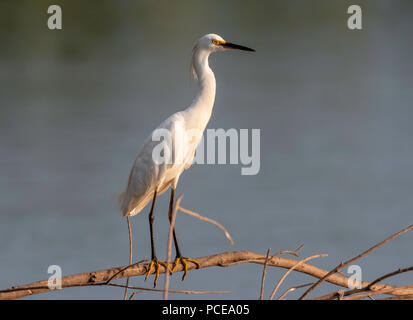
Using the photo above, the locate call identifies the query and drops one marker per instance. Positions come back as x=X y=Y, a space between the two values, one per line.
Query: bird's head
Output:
x=213 y=43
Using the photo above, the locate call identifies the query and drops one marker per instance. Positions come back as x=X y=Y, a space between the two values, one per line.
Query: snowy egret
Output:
x=148 y=178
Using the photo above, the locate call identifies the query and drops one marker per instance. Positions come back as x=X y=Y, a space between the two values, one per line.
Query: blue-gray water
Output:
x=334 y=107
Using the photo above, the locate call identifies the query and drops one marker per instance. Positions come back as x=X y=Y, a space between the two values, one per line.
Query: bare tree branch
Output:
x=101 y=277
x=369 y=287
x=343 y=264
x=104 y=277
x=291 y=269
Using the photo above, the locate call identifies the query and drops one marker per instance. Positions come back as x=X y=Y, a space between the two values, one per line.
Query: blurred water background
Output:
x=334 y=107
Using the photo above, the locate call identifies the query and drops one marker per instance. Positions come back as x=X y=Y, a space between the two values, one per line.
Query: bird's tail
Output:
x=130 y=205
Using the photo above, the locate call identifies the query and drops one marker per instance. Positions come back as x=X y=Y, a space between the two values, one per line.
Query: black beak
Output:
x=230 y=45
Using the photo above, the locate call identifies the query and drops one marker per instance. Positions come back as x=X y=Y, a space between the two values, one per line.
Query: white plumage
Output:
x=147 y=176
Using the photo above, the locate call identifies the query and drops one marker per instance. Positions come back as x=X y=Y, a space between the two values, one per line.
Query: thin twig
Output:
x=294 y=253
x=168 y=253
x=366 y=295
x=383 y=289
x=343 y=264
x=264 y=271
x=291 y=269
x=133 y=294
x=196 y=215
x=161 y=290
x=130 y=257
x=124 y=269
x=294 y=288
x=388 y=275
x=368 y=287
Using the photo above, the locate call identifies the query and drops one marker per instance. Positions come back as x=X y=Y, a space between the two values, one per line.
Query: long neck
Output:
x=200 y=110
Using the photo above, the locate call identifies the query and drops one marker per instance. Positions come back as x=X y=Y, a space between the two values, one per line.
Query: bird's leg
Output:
x=151 y=219
x=155 y=262
x=171 y=205
x=179 y=257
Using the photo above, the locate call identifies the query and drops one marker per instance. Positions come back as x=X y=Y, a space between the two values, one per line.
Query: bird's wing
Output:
x=147 y=175
x=185 y=140
x=193 y=143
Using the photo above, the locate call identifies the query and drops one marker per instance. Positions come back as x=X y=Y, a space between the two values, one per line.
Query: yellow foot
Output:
x=184 y=263
x=155 y=263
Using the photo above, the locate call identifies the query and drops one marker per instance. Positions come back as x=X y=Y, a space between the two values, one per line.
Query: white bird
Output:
x=149 y=178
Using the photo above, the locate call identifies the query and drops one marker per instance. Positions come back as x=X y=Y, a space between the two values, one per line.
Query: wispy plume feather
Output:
x=192 y=66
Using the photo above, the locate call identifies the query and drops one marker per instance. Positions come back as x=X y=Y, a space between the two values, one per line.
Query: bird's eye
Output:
x=216 y=42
